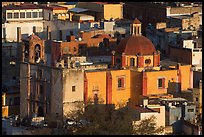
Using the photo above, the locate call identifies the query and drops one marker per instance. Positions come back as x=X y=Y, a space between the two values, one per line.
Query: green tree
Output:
x=147 y=127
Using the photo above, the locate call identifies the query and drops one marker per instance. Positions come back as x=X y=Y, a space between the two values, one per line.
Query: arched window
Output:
x=37 y=52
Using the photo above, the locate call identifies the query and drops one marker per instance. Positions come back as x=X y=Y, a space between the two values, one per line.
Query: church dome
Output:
x=134 y=45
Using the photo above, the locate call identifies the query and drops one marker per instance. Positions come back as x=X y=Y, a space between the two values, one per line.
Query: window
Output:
x=161 y=83
x=28 y=14
x=196 y=99
x=16 y=15
x=121 y=82
x=22 y=15
x=35 y=14
x=190 y=110
x=40 y=73
x=40 y=14
x=147 y=61
x=118 y=61
x=132 y=62
x=75 y=49
x=73 y=88
x=9 y=15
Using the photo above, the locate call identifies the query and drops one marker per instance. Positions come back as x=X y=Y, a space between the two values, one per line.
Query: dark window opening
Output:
x=73 y=88
x=132 y=62
x=75 y=49
x=147 y=61
x=37 y=53
x=40 y=14
x=121 y=83
x=161 y=83
x=35 y=14
x=190 y=110
x=118 y=61
x=196 y=99
x=16 y=15
x=9 y=15
x=28 y=14
x=22 y=15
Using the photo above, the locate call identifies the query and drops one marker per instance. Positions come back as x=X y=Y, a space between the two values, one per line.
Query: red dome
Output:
x=134 y=45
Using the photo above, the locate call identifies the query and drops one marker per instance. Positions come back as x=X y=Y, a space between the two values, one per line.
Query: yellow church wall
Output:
x=152 y=81
x=120 y=96
x=97 y=80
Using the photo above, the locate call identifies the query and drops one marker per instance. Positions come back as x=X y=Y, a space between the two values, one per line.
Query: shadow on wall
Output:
x=173 y=87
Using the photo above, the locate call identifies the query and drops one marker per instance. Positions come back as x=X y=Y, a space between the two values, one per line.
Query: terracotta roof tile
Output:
x=134 y=45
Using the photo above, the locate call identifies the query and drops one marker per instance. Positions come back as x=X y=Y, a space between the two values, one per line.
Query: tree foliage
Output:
x=102 y=119
x=147 y=126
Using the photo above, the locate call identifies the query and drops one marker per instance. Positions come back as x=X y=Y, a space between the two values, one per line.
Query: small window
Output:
x=196 y=99
x=35 y=14
x=28 y=14
x=118 y=61
x=9 y=15
x=121 y=82
x=132 y=62
x=161 y=83
x=40 y=73
x=16 y=15
x=75 y=49
x=147 y=61
x=22 y=15
x=73 y=88
x=40 y=14
x=190 y=110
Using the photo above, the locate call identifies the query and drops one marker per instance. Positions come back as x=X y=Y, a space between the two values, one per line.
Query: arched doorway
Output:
x=40 y=112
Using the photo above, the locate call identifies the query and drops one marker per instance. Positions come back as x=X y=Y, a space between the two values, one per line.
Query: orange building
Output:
x=110 y=87
x=137 y=73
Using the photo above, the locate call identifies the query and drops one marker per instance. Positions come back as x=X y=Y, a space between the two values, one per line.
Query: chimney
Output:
x=18 y=34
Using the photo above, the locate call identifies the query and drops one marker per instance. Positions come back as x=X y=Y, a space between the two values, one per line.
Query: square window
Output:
x=28 y=14
x=35 y=14
x=121 y=82
x=9 y=15
x=16 y=15
x=22 y=15
x=73 y=88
